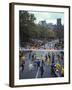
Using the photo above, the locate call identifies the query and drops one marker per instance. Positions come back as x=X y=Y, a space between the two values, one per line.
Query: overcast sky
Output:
x=50 y=17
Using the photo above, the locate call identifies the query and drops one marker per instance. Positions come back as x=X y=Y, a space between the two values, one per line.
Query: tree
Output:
x=26 y=22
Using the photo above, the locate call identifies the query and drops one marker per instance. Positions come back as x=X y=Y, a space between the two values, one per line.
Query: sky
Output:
x=50 y=17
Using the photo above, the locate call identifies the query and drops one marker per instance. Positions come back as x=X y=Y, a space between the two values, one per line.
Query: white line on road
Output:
x=37 y=72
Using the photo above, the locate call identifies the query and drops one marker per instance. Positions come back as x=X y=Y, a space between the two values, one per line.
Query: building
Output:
x=59 y=22
x=43 y=23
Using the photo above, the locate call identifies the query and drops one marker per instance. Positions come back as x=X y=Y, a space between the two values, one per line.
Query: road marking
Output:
x=37 y=72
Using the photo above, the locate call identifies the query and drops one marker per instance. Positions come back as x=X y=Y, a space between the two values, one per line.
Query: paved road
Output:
x=31 y=71
x=34 y=72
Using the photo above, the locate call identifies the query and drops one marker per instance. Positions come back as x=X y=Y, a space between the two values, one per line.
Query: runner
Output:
x=22 y=65
x=38 y=64
x=49 y=59
x=42 y=68
x=53 y=66
x=46 y=58
x=33 y=57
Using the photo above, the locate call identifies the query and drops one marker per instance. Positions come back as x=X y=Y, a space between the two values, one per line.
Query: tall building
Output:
x=43 y=23
x=59 y=22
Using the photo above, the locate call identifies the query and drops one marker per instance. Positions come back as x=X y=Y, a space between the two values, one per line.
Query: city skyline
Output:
x=49 y=17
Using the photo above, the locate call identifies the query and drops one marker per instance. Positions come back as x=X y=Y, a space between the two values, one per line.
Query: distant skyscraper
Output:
x=59 y=22
x=43 y=23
